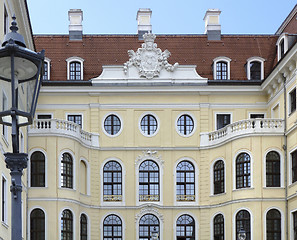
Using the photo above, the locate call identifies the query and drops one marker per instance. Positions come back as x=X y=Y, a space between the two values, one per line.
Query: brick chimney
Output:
x=212 y=24
x=143 y=21
x=75 y=17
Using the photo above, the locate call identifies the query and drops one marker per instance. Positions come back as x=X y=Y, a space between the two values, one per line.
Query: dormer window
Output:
x=46 y=74
x=221 y=68
x=255 y=68
x=75 y=68
x=282 y=46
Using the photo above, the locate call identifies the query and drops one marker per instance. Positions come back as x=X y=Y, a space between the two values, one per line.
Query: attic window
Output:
x=282 y=46
x=255 y=68
x=46 y=75
x=75 y=68
x=221 y=68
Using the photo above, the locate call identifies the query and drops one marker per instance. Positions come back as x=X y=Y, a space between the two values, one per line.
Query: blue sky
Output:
x=168 y=17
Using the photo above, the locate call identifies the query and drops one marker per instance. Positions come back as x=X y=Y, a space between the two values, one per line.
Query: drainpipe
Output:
x=286 y=160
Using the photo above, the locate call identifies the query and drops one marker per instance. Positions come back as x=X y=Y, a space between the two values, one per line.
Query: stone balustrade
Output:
x=241 y=129
x=63 y=128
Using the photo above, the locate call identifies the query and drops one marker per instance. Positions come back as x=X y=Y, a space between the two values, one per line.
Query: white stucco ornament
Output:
x=149 y=60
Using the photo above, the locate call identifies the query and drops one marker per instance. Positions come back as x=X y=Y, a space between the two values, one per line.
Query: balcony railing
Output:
x=185 y=198
x=149 y=198
x=242 y=128
x=55 y=127
x=112 y=198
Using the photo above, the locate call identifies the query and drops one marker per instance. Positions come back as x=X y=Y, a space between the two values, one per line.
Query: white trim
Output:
x=282 y=222
x=290 y=166
x=196 y=224
x=73 y=222
x=160 y=165
x=225 y=113
x=118 y=215
x=158 y=124
x=42 y=113
x=273 y=109
x=211 y=176
x=196 y=174
x=45 y=166
x=160 y=224
x=291 y=224
x=120 y=203
x=253 y=59
x=5 y=200
x=48 y=61
x=194 y=123
x=29 y=220
x=103 y=126
x=234 y=221
x=74 y=169
x=289 y=100
x=250 y=113
x=88 y=174
x=212 y=225
x=221 y=59
x=283 y=36
x=88 y=224
x=75 y=59
x=281 y=167
x=77 y=114
x=234 y=169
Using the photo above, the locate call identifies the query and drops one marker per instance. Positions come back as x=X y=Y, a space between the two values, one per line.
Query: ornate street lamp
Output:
x=21 y=73
x=155 y=234
x=241 y=234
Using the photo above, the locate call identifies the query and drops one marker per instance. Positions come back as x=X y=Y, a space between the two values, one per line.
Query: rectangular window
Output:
x=4 y=200
x=282 y=48
x=295 y=224
x=294 y=166
x=76 y=119
x=45 y=74
x=44 y=116
x=223 y=120
x=292 y=101
x=257 y=115
x=6 y=21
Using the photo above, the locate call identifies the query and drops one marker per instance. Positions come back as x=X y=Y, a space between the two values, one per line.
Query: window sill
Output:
x=273 y=188
x=239 y=189
x=219 y=194
x=4 y=224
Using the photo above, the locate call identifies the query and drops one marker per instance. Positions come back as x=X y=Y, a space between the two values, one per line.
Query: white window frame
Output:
x=194 y=124
x=185 y=203
x=250 y=113
x=5 y=190
x=234 y=170
x=74 y=170
x=103 y=127
x=156 y=214
x=88 y=174
x=118 y=203
x=282 y=222
x=45 y=220
x=290 y=167
x=45 y=165
x=74 y=113
x=212 y=225
x=48 y=61
x=223 y=113
x=284 y=37
x=122 y=219
x=195 y=219
x=75 y=59
x=73 y=222
x=158 y=124
x=292 y=223
x=211 y=177
x=289 y=100
x=221 y=59
x=88 y=226
x=281 y=168
x=251 y=222
x=257 y=59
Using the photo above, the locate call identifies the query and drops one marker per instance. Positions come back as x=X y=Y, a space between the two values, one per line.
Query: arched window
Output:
x=66 y=171
x=75 y=71
x=112 y=228
x=83 y=227
x=185 y=181
x=83 y=177
x=149 y=124
x=218 y=177
x=37 y=225
x=243 y=221
x=221 y=70
x=147 y=223
x=66 y=225
x=243 y=171
x=218 y=227
x=273 y=169
x=185 y=228
x=37 y=169
x=273 y=225
x=149 y=181
x=112 y=181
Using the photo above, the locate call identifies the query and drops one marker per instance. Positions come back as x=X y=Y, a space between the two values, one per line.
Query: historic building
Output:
x=197 y=141
x=8 y=8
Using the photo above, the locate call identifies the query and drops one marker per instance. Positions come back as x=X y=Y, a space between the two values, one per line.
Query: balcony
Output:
x=112 y=198
x=185 y=198
x=149 y=198
x=62 y=128
x=243 y=128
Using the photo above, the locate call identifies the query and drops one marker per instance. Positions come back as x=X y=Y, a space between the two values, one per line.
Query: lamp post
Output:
x=241 y=234
x=21 y=73
x=155 y=234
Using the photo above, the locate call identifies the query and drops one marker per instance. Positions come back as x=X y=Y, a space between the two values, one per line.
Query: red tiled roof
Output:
x=99 y=50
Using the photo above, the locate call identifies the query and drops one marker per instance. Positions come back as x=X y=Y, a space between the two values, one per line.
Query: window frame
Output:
x=293 y=222
x=185 y=225
x=87 y=226
x=73 y=223
x=291 y=165
x=213 y=192
x=213 y=225
x=4 y=200
x=246 y=184
x=234 y=170
x=235 y=222
x=157 y=123
x=47 y=69
x=112 y=183
x=30 y=180
x=30 y=222
x=222 y=113
x=290 y=101
x=73 y=170
x=121 y=124
x=150 y=226
x=185 y=183
x=221 y=59
x=76 y=115
x=248 y=68
x=281 y=221
x=280 y=169
x=79 y=60
x=177 y=127
x=122 y=225
x=283 y=37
